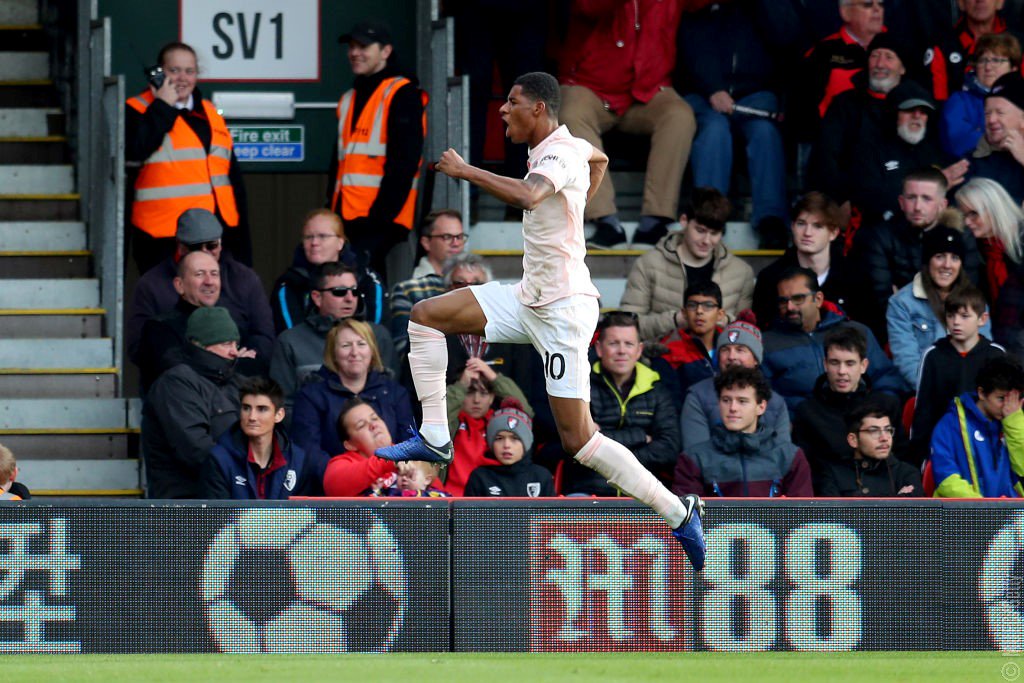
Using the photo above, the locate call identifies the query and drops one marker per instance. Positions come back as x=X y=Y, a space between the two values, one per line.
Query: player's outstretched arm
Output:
x=522 y=194
x=598 y=166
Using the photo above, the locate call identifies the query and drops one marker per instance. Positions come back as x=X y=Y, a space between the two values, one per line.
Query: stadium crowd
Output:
x=877 y=356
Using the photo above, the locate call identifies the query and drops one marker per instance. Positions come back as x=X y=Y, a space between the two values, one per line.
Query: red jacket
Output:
x=353 y=474
x=470 y=444
x=622 y=50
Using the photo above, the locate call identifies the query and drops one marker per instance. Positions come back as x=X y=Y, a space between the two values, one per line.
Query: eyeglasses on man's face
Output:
x=449 y=237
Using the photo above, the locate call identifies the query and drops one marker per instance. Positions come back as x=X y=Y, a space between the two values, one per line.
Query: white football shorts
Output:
x=560 y=331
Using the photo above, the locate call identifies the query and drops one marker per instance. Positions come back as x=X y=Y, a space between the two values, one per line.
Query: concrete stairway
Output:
x=60 y=410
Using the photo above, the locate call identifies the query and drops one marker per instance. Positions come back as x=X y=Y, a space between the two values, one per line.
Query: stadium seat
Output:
x=908 y=413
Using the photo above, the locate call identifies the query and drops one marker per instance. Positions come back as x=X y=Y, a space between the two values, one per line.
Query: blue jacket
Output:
x=963 y=119
x=317 y=406
x=913 y=328
x=984 y=472
x=230 y=475
x=793 y=359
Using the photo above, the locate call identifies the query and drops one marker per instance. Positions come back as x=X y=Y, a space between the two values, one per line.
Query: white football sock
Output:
x=619 y=466
x=428 y=360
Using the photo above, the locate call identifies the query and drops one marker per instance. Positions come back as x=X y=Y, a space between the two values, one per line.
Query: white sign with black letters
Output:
x=254 y=40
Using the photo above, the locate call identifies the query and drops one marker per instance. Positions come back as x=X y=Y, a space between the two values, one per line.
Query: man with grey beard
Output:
x=874 y=178
x=856 y=119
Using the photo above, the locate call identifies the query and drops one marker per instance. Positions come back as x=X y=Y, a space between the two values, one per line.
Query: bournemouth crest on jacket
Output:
x=284 y=580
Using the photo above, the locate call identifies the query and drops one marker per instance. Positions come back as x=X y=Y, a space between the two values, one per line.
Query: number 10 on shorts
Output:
x=554 y=365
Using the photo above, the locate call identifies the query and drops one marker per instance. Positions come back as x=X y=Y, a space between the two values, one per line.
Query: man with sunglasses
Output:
x=794 y=349
x=299 y=351
x=239 y=289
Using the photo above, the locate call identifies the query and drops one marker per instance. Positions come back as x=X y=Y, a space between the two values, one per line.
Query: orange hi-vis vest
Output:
x=181 y=175
x=362 y=152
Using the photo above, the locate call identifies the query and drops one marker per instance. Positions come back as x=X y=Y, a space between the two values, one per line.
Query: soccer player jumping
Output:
x=554 y=307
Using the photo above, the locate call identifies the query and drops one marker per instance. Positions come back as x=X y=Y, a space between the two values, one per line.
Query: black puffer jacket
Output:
x=819 y=423
x=186 y=411
x=647 y=410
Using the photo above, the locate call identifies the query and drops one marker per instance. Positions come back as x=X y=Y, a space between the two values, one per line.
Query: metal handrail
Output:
x=93 y=101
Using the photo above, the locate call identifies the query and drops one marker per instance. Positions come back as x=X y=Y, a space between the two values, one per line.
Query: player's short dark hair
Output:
x=739 y=377
x=870 y=408
x=706 y=288
x=346 y=408
x=542 y=87
x=847 y=338
x=427 y=225
x=969 y=297
x=331 y=269
x=806 y=273
x=927 y=175
x=1002 y=373
x=262 y=386
x=709 y=207
x=617 y=319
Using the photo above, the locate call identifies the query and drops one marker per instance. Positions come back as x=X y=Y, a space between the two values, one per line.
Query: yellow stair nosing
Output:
x=71 y=431
x=28 y=81
x=37 y=253
x=21 y=27
x=40 y=197
x=33 y=138
x=52 y=311
x=58 y=371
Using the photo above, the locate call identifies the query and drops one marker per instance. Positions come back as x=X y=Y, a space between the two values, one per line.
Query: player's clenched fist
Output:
x=451 y=164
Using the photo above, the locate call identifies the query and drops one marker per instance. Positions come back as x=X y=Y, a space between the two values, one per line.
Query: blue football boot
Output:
x=416 y=448
x=690 y=533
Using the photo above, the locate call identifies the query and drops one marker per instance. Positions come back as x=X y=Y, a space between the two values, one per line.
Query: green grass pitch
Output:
x=689 y=667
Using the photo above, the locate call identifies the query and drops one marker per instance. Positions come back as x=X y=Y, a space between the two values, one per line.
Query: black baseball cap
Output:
x=367 y=33
x=1009 y=86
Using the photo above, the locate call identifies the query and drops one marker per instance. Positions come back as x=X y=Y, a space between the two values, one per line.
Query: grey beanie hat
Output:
x=511 y=418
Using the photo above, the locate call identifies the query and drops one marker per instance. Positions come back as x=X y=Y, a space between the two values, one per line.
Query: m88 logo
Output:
x=801 y=596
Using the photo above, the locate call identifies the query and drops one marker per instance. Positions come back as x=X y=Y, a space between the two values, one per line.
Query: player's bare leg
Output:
x=619 y=466
x=456 y=312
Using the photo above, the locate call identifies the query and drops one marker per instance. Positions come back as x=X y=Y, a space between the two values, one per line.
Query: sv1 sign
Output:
x=254 y=40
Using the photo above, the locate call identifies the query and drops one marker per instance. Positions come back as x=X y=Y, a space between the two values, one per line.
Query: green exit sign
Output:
x=269 y=143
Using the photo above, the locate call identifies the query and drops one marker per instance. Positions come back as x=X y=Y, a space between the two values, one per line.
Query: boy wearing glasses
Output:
x=872 y=472
x=688 y=355
x=554 y=307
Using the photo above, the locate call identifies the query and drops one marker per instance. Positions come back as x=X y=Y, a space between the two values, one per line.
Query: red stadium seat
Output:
x=928 y=479
x=908 y=413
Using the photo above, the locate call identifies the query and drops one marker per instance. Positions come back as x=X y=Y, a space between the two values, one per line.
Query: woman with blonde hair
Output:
x=996 y=222
x=352 y=367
